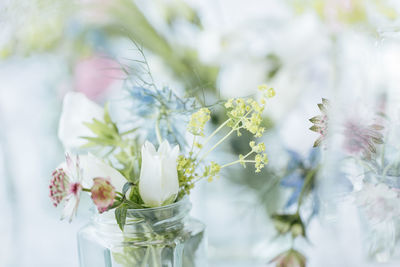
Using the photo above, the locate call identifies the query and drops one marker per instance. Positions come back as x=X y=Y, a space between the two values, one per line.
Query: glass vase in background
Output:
x=362 y=145
x=156 y=237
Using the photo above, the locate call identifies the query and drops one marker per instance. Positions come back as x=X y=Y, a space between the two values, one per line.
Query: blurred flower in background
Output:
x=208 y=50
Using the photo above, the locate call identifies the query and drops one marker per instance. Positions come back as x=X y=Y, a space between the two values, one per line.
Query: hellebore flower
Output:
x=77 y=109
x=159 y=184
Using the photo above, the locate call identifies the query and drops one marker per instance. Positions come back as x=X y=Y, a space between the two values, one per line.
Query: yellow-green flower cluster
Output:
x=257 y=148
x=247 y=114
x=242 y=114
x=198 y=121
x=268 y=92
x=260 y=160
x=186 y=168
x=212 y=171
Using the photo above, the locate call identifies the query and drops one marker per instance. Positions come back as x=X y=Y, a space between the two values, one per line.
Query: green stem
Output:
x=239 y=161
x=146 y=257
x=216 y=131
x=216 y=145
x=212 y=135
x=158 y=133
x=192 y=148
x=155 y=256
x=236 y=162
x=86 y=190
x=128 y=132
x=307 y=183
x=234 y=128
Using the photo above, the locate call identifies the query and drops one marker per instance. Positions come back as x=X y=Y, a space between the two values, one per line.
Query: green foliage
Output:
x=107 y=134
x=186 y=174
x=129 y=160
x=285 y=223
x=120 y=215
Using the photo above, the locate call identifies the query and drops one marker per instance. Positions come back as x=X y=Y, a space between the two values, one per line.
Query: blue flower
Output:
x=297 y=170
x=160 y=108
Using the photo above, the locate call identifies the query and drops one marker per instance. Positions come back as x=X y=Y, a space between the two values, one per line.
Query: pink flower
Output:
x=361 y=139
x=67 y=185
x=58 y=186
x=379 y=201
x=290 y=258
x=103 y=194
x=94 y=75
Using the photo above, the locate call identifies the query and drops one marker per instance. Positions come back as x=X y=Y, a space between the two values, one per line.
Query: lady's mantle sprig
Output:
x=243 y=114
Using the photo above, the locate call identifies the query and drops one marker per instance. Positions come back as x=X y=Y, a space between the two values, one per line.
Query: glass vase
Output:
x=362 y=159
x=155 y=237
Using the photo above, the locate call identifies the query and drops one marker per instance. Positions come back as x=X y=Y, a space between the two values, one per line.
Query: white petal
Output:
x=170 y=182
x=70 y=207
x=150 y=187
x=77 y=108
x=175 y=152
x=94 y=167
x=164 y=148
x=149 y=148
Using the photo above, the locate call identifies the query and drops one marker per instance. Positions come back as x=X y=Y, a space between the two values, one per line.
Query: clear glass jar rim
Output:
x=181 y=202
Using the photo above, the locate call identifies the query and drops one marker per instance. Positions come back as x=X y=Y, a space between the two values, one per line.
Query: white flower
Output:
x=74 y=176
x=77 y=109
x=158 y=184
x=79 y=174
x=94 y=167
x=379 y=201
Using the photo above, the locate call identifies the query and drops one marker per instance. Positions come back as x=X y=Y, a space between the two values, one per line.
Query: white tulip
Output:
x=159 y=184
x=77 y=109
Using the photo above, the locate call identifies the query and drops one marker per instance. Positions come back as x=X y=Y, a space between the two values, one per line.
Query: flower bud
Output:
x=290 y=258
x=158 y=183
x=103 y=194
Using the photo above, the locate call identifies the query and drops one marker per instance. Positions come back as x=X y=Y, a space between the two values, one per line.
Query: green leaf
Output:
x=377 y=127
x=134 y=195
x=107 y=117
x=316 y=119
x=318 y=142
x=132 y=205
x=170 y=200
x=116 y=204
x=315 y=128
x=325 y=102
x=120 y=216
x=126 y=187
x=322 y=108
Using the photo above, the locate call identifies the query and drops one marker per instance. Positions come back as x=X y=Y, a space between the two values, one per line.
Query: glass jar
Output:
x=155 y=237
x=362 y=148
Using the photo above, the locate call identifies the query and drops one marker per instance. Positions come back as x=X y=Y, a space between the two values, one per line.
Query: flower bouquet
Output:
x=140 y=188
